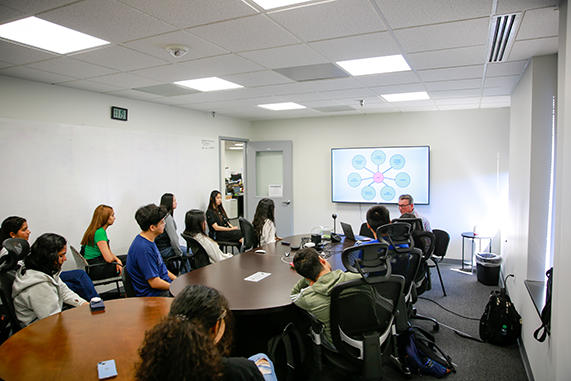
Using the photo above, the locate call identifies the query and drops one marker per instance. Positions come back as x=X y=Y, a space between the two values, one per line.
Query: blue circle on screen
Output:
x=359 y=162
x=402 y=179
x=368 y=193
x=354 y=179
x=378 y=157
x=397 y=161
x=387 y=193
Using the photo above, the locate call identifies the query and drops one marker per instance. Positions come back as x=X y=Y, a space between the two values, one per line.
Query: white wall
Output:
x=62 y=155
x=467 y=147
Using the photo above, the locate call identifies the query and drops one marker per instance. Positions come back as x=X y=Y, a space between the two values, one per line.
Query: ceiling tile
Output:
x=499 y=101
x=125 y=80
x=508 y=82
x=327 y=109
x=494 y=91
x=183 y=13
x=258 y=78
x=71 y=67
x=522 y=50
x=457 y=101
x=4 y=64
x=364 y=46
x=454 y=85
x=455 y=93
x=506 y=68
x=166 y=90
x=245 y=34
x=402 y=88
x=107 y=19
x=86 y=84
x=539 y=23
x=205 y=67
x=313 y=72
x=9 y=14
x=462 y=72
x=448 y=58
x=119 y=58
x=330 y=20
x=509 y=6
x=132 y=94
x=34 y=74
x=35 y=6
x=293 y=55
x=405 y=13
x=467 y=106
x=155 y=46
x=19 y=55
x=387 y=78
x=444 y=36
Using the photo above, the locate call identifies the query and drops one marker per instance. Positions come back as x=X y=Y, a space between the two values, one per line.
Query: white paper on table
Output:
x=256 y=277
x=275 y=190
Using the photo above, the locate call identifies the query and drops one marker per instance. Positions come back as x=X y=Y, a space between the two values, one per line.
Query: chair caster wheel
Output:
x=406 y=372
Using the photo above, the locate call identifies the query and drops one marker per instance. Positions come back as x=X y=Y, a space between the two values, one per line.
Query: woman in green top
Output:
x=95 y=245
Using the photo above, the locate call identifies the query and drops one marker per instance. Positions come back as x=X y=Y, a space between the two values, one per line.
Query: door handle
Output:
x=287 y=202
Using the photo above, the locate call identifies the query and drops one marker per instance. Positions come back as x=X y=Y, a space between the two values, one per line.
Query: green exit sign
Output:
x=119 y=113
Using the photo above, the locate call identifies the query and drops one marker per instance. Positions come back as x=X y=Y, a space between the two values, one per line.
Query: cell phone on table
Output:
x=106 y=369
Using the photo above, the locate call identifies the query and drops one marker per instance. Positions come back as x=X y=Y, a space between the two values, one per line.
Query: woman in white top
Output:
x=264 y=225
x=195 y=226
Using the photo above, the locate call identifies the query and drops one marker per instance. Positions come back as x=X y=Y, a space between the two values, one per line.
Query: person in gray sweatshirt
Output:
x=38 y=291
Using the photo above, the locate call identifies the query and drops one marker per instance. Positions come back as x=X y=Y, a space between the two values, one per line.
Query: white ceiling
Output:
x=445 y=43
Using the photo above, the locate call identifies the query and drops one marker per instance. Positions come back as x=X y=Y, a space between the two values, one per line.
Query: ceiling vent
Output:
x=502 y=35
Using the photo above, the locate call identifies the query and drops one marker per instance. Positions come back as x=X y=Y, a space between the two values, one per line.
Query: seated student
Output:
x=38 y=291
x=220 y=227
x=145 y=266
x=95 y=245
x=193 y=341
x=77 y=280
x=167 y=242
x=377 y=216
x=313 y=292
x=195 y=225
x=264 y=224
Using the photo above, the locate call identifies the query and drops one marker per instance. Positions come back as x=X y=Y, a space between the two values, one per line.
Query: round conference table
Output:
x=68 y=345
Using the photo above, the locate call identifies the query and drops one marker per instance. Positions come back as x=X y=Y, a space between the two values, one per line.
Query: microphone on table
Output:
x=334 y=236
x=334 y=224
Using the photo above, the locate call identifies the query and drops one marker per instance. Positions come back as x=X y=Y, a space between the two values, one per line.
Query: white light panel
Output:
x=48 y=36
x=209 y=84
x=375 y=65
x=271 y=4
x=402 y=97
x=282 y=106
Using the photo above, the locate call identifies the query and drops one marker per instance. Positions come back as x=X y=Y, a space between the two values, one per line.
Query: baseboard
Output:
x=525 y=360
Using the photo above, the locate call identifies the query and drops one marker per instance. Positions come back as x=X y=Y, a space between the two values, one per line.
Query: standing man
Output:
x=406 y=205
x=145 y=266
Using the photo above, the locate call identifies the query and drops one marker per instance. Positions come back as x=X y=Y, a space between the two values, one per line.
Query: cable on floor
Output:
x=448 y=310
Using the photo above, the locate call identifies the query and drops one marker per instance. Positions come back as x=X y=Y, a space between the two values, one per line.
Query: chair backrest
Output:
x=415 y=222
x=365 y=259
x=17 y=249
x=441 y=241
x=129 y=289
x=199 y=256
x=365 y=231
x=6 y=282
x=80 y=260
x=398 y=234
x=251 y=239
x=362 y=313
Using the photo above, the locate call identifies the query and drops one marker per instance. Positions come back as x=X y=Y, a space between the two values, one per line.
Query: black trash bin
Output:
x=488 y=268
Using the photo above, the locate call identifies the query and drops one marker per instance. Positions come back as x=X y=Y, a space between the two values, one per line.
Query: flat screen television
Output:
x=380 y=174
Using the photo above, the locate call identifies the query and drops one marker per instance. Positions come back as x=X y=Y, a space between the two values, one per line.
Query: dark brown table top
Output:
x=270 y=293
x=68 y=345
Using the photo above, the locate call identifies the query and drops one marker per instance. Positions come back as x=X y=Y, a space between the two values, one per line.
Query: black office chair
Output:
x=17 y=250
x=224 y=245
x=365 y=231
x=82 y=264
x=129 y=289
x=441 y=241
x=415 y=222
x=250 y=237
x=199 y=256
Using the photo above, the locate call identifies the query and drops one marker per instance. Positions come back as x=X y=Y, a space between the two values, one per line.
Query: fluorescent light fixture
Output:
x=236 y=148
x=239 y=144
x=402 y=97
x=48 y=36
x=282 y=106
x=209 y=84
x=271 y=4
x=375 y=65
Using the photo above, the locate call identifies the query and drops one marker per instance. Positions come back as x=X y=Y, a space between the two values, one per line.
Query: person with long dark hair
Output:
x=193 y=341
x=38 y=291
x=220 y=228
x=195 y=226
x=167 y=242
x=77 y=280
x=95 y=245
x=264 y=222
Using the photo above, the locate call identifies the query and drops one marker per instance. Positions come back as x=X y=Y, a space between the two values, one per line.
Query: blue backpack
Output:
x=423 y=355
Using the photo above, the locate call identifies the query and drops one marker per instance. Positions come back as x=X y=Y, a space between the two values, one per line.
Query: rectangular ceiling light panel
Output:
x=282 y=106
x=403 y=97
x=272 y=4
x=375 y=65
x=45 y=35
x=209 y=84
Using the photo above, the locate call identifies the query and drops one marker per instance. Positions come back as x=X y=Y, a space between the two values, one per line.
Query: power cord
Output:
x=448 y=310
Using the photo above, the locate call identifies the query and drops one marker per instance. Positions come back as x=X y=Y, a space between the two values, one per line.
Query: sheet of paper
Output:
x=256 y=277
x=275 y=190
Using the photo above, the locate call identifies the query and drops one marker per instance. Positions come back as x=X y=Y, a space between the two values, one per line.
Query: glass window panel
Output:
x=269 y=171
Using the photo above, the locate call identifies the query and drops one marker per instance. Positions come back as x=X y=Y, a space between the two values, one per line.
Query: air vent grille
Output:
x=502 y=35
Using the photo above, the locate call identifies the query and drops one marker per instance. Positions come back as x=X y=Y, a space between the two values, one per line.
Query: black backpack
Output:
x=500 y=324
x=546 y=311
x=422 y=355
x=287 y=352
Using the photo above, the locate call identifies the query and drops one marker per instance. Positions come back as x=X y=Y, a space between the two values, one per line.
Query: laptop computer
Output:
x=348 y=232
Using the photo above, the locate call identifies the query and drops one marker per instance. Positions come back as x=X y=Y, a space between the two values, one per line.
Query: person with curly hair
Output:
x=193 y=342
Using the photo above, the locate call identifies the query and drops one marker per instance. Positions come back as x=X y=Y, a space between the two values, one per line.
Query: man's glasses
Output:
x=403 y=205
